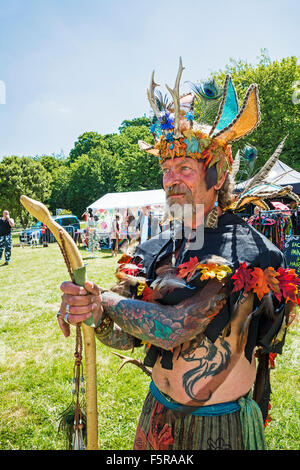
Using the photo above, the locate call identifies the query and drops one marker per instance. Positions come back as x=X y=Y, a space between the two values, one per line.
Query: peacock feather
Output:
x=265 y=170
x=208 y=95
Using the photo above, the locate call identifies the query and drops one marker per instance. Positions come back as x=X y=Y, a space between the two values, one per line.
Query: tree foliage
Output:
x=49 y=162
x=137 y=170
x=279 y=115
x=86 y=142
x=140 y=121
x=22 y=175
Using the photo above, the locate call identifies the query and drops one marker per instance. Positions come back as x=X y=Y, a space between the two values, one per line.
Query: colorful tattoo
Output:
x=166 y=326
x=118 y=339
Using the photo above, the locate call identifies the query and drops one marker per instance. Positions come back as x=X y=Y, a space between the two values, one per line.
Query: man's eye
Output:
x=165 y=171
x=185 y=168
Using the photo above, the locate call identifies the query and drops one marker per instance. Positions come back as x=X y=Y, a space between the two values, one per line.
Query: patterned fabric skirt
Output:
x=160 y=428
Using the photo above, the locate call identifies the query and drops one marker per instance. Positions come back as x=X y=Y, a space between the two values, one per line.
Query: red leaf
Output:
x=272 y=357
x=242 y=278
x=187 y=269
x=148 y=294
x=288 y=284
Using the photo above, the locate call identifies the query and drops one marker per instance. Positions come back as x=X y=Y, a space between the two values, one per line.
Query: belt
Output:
x=208 y=410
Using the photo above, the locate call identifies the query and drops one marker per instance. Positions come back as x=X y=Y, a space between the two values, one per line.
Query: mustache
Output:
x=178 y=189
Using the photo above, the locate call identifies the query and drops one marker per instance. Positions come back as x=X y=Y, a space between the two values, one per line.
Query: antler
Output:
x=151 y=96
x=130 y=360
x=38 y=210
x=176 y=98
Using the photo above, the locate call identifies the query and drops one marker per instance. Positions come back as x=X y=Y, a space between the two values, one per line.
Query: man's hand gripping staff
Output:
x=76 y=269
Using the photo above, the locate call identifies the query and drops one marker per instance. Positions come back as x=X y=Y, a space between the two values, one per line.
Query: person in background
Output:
x=144 y=224
x=114 y=236
x=44 y=236
x=6 y=225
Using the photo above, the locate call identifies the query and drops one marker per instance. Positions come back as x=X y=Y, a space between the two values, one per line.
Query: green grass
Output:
x=36 y=363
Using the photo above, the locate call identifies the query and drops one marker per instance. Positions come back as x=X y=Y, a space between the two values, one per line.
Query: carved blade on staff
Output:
x=77 y=272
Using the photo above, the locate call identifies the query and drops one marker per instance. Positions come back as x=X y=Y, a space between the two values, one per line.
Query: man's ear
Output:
x=221 y=182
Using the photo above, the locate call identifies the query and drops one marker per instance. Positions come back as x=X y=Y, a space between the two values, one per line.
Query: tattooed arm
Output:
x=117 y=339
x=163 y=325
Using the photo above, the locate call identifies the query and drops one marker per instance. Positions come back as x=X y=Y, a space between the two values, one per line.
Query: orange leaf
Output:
x=258 y=283
x=124 y=259
x=272 y=281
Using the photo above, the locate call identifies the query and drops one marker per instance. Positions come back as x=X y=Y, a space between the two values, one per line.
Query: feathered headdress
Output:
x=178 y=134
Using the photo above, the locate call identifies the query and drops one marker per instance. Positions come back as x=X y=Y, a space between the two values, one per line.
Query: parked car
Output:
x=70 y=223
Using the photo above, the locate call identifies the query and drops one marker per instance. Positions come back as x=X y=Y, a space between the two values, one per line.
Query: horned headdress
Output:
x=178 y=134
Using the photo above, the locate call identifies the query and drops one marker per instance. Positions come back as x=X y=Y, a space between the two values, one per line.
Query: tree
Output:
x=59 y=188
x=137 y=170
x=139 y=121
x=279 y=115
x=22 y=175
x=108 y=167
x=86 y=142
x=86 y=184
x=49 y=162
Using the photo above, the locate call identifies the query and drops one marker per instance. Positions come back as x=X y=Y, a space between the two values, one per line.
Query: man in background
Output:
x=115 y=236
x=6 y=225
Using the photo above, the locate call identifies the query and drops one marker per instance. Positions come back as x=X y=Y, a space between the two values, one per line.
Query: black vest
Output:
x=5 y=228
x=237 y=242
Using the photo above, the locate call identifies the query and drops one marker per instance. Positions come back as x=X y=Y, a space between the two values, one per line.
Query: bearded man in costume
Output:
x=204 y=311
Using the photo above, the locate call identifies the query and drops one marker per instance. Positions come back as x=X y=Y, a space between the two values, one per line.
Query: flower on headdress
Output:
x=170 y=136
x=156 y=129
x=189 y=116
x=166 y=123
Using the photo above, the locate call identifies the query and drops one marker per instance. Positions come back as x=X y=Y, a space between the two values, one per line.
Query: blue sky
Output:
x=71 y=66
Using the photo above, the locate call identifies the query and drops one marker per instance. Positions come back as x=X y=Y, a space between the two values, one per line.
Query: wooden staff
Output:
x=66 y=242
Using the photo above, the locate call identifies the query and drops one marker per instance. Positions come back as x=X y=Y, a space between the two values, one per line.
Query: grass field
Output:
x=36 y=363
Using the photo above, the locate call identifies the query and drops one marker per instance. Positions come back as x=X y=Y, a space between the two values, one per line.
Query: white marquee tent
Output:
x=130 y=199
x=282 y=175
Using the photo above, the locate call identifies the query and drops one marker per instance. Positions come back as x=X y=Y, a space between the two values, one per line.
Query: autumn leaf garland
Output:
x=284 y=282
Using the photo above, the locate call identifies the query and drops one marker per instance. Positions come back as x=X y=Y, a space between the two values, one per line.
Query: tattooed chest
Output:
x=194 y=361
